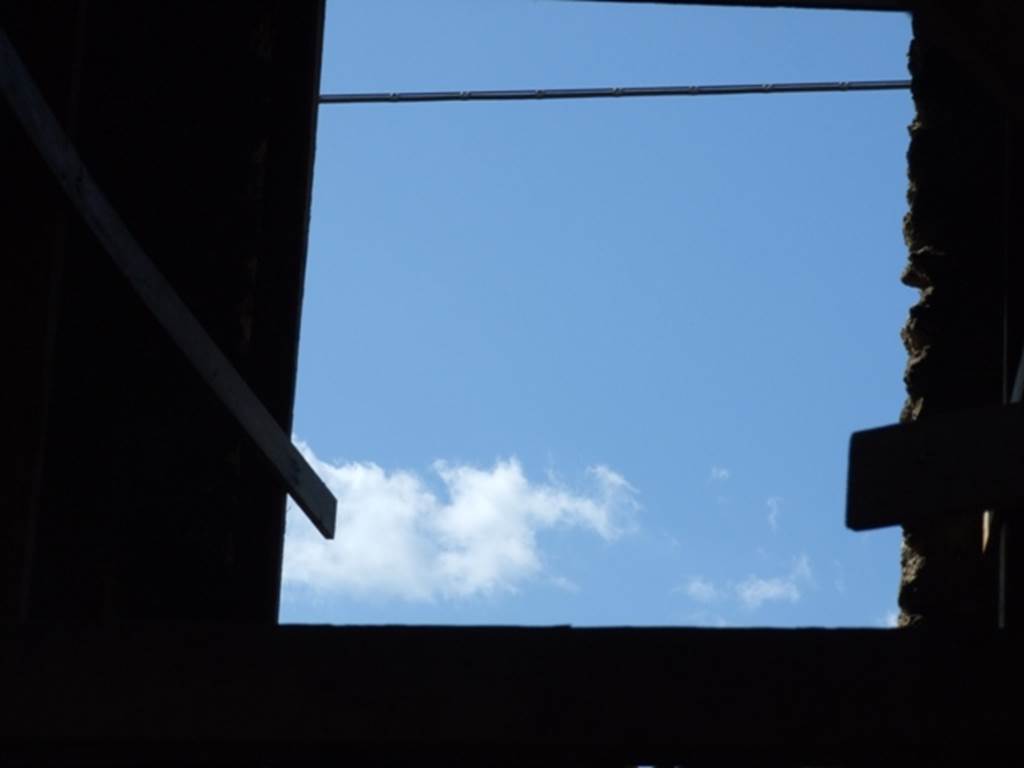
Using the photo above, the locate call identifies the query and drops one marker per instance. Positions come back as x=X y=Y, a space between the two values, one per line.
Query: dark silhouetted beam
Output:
x=158 y=295
x=318 y=696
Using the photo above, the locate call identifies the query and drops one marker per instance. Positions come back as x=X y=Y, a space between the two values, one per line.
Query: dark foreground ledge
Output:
x=208 y=695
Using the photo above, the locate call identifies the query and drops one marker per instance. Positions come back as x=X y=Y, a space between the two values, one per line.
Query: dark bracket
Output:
x=963 y=462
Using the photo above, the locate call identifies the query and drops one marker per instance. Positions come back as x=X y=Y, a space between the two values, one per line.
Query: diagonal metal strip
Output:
x=158 y=295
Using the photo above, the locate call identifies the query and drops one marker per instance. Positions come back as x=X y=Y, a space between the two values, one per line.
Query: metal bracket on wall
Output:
x=157 y=294
x=957 y=463
x=954 y=463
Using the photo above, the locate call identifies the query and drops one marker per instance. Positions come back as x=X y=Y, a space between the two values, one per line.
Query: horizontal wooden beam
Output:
x=158 y=295
x=963 y=462
x=182 y=695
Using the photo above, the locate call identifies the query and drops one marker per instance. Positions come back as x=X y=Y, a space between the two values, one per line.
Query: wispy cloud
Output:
x=397 y=538
x=702 y=590
x=891 y=620
x=840 y=580
x=564 y=584
x=802 y=570
x=774 y=505
x=706 y=619
x=719 y=474
x=754 y=591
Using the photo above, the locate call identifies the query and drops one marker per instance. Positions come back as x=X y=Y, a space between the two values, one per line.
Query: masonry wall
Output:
x=963 y=336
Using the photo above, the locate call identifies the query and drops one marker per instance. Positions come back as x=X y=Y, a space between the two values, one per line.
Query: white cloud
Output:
x=774 y=505
x=396 y=538
x=754 y=591
x=702 y=590
x=840 y=580
x=564 y=584
x=891 y=619
x=707 y=619
x=719 y=474
x=802 y=570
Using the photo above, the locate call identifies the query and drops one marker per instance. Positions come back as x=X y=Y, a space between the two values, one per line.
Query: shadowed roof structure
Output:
x=141 y=530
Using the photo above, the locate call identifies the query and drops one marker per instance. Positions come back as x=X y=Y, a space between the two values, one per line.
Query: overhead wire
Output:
x=551 y=94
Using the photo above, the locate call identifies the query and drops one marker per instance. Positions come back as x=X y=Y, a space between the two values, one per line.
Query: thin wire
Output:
x=545 y=94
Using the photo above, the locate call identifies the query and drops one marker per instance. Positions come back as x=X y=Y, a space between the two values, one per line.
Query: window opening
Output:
x=597 y=362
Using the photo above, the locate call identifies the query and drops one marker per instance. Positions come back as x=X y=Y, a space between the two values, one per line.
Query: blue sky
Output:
x=597 y=363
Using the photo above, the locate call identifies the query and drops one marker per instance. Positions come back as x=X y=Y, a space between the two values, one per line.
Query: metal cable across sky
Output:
x=548 y=94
